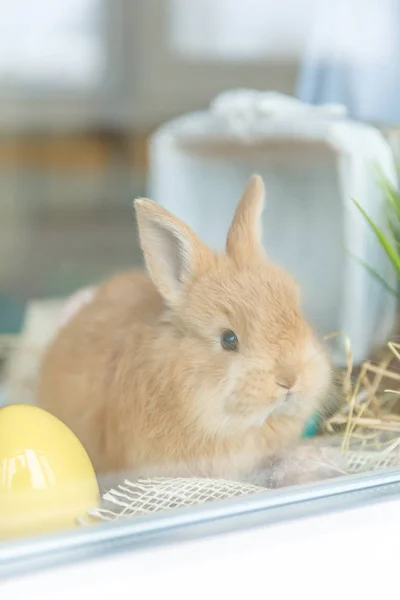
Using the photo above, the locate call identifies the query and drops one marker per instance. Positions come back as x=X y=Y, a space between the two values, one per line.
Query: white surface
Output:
x=352 y=56
x=218 y=30
x=46 y=43
x=348 y=555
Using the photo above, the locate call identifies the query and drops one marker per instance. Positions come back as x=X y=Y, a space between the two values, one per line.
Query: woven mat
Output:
x=148 y=496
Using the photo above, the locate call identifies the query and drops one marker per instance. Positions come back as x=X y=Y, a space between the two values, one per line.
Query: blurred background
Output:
x=83 y=83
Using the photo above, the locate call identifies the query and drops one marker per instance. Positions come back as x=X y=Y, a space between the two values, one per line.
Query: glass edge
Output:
x=264 y=508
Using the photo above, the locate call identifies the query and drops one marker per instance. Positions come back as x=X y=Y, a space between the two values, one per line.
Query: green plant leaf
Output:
x=384 y=242
x=394 y=228
x=376 y=275
x=392 y=198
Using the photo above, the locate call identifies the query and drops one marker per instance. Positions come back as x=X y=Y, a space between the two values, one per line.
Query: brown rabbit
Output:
x=205 y=367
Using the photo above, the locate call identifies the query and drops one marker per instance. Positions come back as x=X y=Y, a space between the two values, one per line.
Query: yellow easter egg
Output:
x=46 y=478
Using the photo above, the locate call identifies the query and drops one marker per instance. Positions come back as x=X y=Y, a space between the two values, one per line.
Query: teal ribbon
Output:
x=312 y=427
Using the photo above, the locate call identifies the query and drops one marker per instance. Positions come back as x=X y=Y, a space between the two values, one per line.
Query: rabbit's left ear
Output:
x=244 y=237
x=174 y=255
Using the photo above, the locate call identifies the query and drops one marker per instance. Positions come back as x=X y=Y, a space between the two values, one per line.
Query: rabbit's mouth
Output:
x=286 y=403
x=289 y=404
x=247 y=413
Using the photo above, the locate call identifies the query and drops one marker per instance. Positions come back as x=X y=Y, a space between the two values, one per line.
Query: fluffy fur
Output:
x=139 y=374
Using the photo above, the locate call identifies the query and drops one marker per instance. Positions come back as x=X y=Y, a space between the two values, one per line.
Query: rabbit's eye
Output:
x=229 y=340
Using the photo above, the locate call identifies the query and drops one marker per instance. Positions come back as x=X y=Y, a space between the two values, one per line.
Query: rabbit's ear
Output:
x=244 y=237
x=174 y=255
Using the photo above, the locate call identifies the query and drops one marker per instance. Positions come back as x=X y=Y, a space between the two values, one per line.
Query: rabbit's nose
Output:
x=287 y=386
x=283 y=385
x=286 y=381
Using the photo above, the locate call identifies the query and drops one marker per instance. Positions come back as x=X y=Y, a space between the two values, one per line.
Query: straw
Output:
x=366 y=419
